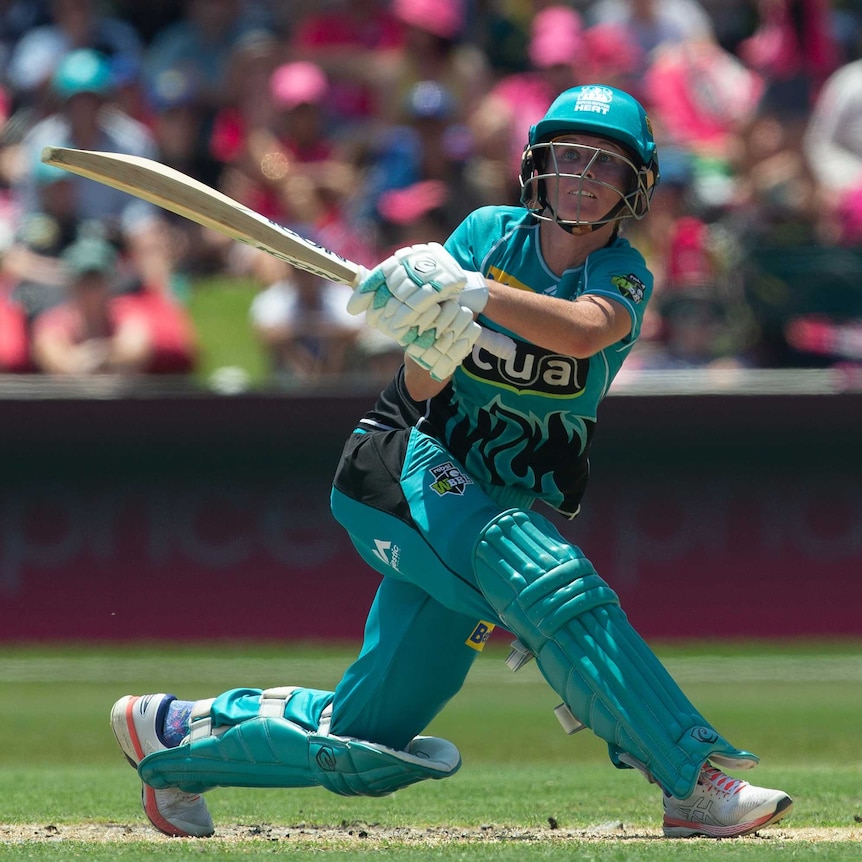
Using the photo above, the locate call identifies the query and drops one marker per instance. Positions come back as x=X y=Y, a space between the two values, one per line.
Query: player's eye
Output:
x=570 y=155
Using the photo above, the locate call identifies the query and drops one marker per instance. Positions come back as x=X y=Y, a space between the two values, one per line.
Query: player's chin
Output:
x=580 y=209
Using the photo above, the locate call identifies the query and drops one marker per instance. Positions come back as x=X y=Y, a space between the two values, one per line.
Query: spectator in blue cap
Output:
x=89 y=119
x=75 y=24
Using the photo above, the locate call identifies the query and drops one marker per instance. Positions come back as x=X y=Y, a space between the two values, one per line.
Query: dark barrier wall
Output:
x=206 y=517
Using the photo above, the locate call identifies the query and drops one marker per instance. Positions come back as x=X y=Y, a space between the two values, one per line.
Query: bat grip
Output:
x=496 y=343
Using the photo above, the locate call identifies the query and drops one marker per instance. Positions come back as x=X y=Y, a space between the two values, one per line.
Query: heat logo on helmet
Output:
x=595 y=100
x=630 y=286
x=449 y=479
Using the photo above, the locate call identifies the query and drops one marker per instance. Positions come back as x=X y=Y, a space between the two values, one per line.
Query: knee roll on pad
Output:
x=271 y=751
x=550 y=596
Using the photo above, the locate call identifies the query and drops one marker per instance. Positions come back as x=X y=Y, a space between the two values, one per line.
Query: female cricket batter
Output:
x=436 y=487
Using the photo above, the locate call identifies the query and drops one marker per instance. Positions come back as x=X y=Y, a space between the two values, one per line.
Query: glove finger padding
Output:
x=450 y=344
x=400 y=322
x=445 y=317
x=370 y=291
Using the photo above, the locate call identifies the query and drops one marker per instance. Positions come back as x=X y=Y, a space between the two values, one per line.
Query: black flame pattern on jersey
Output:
x=547 y=457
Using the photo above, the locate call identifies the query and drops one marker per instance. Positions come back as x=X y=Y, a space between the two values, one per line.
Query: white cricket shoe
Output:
x=134 y=721
x=723 y=807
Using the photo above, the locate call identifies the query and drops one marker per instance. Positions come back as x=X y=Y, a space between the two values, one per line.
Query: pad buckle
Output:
x=273 y=700
x=200 y=720
x=568 y=720
x=519 y=655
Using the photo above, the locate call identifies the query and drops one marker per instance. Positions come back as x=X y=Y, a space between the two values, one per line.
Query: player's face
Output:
x=589 y=176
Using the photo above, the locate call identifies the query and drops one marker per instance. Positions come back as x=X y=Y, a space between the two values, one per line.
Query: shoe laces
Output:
x=714 y=779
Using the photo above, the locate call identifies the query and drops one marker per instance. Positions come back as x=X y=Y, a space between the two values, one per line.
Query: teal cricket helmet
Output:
x=606 y=112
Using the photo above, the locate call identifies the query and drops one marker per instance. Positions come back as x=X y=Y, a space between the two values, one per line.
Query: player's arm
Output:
x=580 y=328
x=420 y=384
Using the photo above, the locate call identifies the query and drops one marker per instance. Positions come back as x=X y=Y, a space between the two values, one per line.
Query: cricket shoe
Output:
x=723 y=807
x=136 y=722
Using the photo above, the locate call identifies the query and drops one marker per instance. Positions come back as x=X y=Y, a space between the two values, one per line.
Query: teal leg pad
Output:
x=550 y=596
x=272 y=751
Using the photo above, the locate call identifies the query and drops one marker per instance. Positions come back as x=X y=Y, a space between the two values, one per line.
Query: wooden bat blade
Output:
x=175 y=191
x=181 y=194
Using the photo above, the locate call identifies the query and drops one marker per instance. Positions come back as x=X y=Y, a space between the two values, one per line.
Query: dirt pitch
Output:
x=370 y=835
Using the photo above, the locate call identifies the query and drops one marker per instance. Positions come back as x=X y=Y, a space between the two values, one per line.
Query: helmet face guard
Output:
x=549 y=166
x=606 y=113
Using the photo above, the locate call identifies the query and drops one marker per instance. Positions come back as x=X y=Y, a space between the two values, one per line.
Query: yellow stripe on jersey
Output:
x=504 y=278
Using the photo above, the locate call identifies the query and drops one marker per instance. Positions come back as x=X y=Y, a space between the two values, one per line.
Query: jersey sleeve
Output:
x=470 y=241
x=620 y=273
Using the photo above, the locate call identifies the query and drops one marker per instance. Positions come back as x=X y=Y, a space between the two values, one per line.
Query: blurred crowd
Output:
x=371 y=124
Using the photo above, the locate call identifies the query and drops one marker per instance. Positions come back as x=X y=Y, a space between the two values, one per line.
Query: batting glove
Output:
x=400 y=322
x=420 y=276
x=442 y=347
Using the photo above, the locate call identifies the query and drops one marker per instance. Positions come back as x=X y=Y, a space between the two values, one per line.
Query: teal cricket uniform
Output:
x=418 y=483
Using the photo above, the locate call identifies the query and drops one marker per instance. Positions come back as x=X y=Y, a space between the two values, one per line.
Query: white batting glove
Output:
x=420 y=276
x=400 y=322
x=442 y=347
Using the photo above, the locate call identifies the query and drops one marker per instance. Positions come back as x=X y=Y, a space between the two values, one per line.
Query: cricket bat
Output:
x=175 y=191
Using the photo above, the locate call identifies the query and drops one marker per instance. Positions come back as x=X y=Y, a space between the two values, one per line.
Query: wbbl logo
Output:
x=449 y=479
x=630 y=286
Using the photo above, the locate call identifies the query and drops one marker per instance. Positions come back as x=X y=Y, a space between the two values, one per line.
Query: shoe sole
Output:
x=681 y=829
x=123 y=726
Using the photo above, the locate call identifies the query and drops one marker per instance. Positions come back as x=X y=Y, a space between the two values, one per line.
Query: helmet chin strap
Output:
x=577 y=229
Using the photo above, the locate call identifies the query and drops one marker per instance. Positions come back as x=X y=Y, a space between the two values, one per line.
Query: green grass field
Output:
x=66 y=792
x=219 y=308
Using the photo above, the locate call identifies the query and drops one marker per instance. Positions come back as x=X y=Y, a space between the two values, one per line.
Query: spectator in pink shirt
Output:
x=353 y=42
x=504 y=117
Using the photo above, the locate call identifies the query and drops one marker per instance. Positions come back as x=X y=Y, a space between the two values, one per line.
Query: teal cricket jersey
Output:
x=526 y=422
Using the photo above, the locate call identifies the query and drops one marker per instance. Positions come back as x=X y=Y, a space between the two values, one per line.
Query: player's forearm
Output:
x=420 y=384
x=580 y=328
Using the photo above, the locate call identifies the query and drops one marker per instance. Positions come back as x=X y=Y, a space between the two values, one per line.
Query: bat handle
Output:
x=496 y=343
